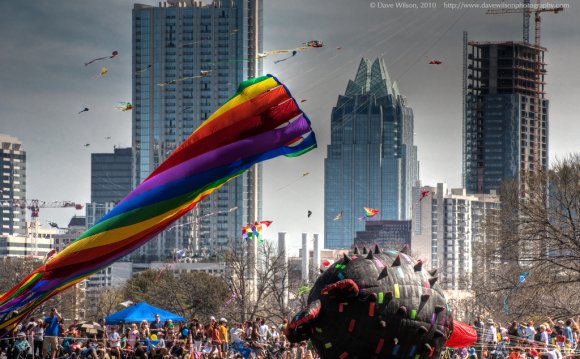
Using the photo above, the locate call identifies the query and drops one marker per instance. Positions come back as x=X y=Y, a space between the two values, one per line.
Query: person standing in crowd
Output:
x=215 y=338
x=530 y=332
x=264 y=331
x=144 y=329
x=51 y=333
x=236 y=334
x=37 y=332
x=103 y=323
x=133 y=336
x=224 y=337
x=198 y=336
x=274 y=333
x=156 y=326
x=568 y=333
x=544 y=337
x=169 y=333
x=491 y=333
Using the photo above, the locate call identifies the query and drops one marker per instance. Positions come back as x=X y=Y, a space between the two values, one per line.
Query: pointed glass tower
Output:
x=371 y=160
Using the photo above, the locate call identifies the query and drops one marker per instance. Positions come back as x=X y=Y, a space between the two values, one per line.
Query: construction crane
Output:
x=538 y=61
x=527 y=11
x=34 y=207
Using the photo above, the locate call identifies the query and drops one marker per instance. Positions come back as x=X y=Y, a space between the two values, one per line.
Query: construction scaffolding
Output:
x=504 y=93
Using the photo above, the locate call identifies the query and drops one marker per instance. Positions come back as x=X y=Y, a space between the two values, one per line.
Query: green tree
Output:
x=187 y=294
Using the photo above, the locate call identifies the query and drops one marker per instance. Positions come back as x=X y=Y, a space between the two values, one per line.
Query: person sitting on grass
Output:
x=140 y=352
x=90 y=350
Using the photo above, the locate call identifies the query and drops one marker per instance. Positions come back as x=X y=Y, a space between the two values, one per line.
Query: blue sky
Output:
x=43 y=84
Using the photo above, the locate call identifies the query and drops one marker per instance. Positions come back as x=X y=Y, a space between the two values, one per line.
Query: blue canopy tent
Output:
x=141 y=311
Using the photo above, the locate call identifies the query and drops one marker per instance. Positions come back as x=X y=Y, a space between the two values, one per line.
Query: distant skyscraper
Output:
x=371 y=160
x=111 y=175
x=506 y=113
x=188 y=59
x=13 y=186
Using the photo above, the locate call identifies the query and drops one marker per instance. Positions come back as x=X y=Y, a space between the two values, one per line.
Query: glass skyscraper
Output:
x=371 y=160
x=188 y=59
x=111 y=175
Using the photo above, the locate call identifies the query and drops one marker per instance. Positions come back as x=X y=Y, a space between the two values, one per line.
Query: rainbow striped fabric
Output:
x=370 y=212
x=261 y=121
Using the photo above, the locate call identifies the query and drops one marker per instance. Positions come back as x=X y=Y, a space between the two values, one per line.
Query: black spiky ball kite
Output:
x=375 y=305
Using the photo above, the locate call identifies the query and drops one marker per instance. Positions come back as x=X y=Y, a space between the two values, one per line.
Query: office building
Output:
x=446 y=226
x=388 y=235
x=111 y=175
x=12 y=186
x=371 y=160
x=188 y=59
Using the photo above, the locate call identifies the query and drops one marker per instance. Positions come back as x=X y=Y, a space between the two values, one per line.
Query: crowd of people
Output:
x=48 y=337
x=529 y=340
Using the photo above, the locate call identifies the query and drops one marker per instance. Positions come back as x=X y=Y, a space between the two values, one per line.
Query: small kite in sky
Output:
x=370 y=212
x=144 y=69
x=286 y=58
x=435 y=62
x=87 y=144
x=304 y=174
x=108 y=138
x=86 y=109
x=254 y=230
x=202 y=73
x=314 y=43
x=113 y=55
x=52 y=224
x=302 y=100
x=424 y=193
x=124 y=106
x=307 y=45
x=266 y=223
x=102 y=73
x=505 y=301
x=309 y=214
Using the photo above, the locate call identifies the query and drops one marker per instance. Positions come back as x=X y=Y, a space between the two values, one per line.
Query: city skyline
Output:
x=45 y=84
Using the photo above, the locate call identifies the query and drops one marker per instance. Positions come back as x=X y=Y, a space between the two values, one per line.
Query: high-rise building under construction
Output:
x=505 y=129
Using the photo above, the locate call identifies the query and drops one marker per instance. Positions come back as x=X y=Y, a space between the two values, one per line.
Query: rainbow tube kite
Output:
x=261 y=121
